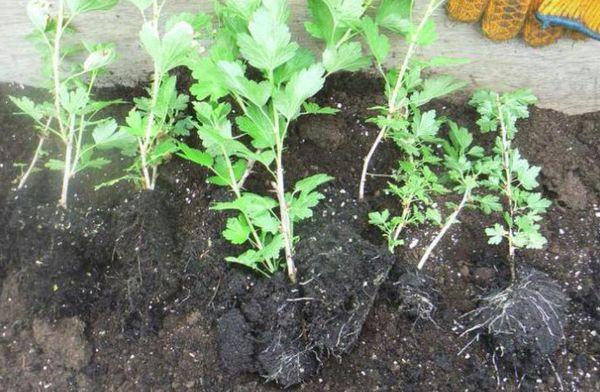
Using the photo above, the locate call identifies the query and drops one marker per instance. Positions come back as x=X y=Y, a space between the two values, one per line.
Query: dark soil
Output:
x=147 y=261
x=130 y=292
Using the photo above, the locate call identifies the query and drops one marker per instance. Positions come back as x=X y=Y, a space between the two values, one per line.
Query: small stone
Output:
x=464 y=270
x=484 y=274
x=64 y=341
x=324 y=131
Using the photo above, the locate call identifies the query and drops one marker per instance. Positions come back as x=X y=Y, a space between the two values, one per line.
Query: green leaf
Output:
x=304 y=199
x=151 y=41
x=74 y=101
x=243 y=8
x=268 y=45
x=301 y=86
x=528 y=177
x=495 y=234
x=177 y=44
x=476 y=151
x=191 y=154
x=28 y=107
x=81 y=6
x=460 y=138
x=378 y=43
x=267 y=223
x=273 y=249
x=222 y=177
x=426 y=36
x=313 y=108
x=322 y=25
x=250 y=203
x=311 y=183
x=210 y=82
x=237 y=230
x=433 y=215
x=436 y=87
x=425 y=126
x=279 y=9
x=107 y=136
x=228 y=146
x=348 y=12
x=135 y=124
x=87 y=163
x=258 y=126
x=300 y=207
x=249 y=258
x=174 y=48
x=257 y=93
x=161 y=151
x=379 y=218
x=395 y=15
x=536 y=240
x=346 y=57
x=168 y=101
x=537 y=203
x=489 y=204
x=301 y=60
x=55 y=164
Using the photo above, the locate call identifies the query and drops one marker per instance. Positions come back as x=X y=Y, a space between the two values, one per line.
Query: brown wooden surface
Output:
x=565 y=76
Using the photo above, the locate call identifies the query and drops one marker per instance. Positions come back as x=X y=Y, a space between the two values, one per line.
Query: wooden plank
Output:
x=565 y=76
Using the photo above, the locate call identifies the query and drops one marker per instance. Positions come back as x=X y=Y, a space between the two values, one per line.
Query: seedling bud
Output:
x=99 y=59
x=38 y=12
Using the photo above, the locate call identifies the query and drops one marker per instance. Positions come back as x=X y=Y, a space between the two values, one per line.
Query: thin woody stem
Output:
x=507 y=189
x=449 y=222
x=393 y=105
x=400 y=227
x=36 y=156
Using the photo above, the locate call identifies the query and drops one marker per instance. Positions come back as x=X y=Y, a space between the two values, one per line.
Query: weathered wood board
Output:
x=565 y=76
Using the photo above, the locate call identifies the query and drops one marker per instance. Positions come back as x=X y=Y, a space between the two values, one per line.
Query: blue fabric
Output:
x=553 y=20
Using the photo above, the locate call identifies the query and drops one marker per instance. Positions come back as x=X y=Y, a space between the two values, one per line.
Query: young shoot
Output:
x=465 y=165
x=511 y=175
x=414 y=182
x=71 y=114
x=157 y=119
x=255 y=36
x=405 y=88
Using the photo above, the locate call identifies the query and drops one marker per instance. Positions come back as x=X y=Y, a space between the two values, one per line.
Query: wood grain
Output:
x=565 y=76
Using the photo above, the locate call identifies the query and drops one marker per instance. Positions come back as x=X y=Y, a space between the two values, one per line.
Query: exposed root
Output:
x=524 y=321
x=417 y=296
x=287 y=363
x=558 y=377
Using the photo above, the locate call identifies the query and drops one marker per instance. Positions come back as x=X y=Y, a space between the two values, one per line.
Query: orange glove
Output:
x=504 y=19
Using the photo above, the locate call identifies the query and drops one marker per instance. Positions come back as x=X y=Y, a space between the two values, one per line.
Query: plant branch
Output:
x=236 y=190
x=402 y=224
x=145 y=143
x=367 y=160
x=279 y=186
x=68 y=164
x=56 y=60
x=449 y=222
x=36 y=155
x=393 y=105
x=507 y=189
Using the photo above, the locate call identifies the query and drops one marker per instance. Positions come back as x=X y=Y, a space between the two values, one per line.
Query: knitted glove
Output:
x=541 y=22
